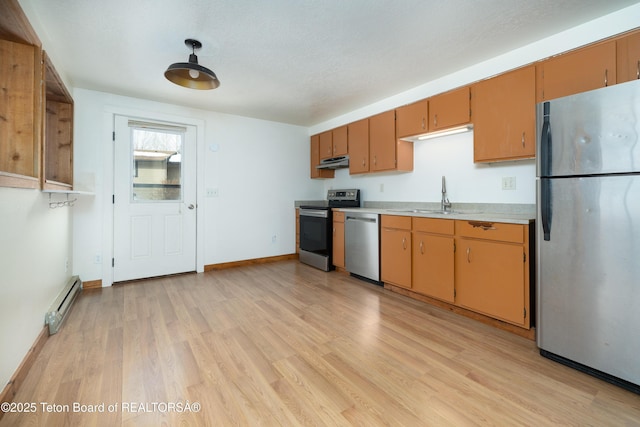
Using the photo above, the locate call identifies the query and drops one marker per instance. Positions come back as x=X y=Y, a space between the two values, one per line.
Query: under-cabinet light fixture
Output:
x=191 y=74
x=462 y=129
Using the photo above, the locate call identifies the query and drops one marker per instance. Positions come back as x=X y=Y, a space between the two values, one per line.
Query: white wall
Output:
x=453 y=156
x=259 y=168
x=35 y=244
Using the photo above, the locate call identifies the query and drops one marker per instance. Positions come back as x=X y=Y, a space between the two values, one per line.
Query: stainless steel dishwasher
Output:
x=362 y=245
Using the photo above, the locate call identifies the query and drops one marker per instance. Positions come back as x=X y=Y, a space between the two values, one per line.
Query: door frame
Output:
x=108 y=156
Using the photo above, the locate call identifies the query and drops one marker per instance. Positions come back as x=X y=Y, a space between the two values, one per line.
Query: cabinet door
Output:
x=412 y=119
x=628 y=58
x=395 y=257
x=490 y=279
x=382 y=141
x=449 y=109
x=432 y=265
x=338 y=244
x=579 y=71
x=340 y=141
x=505 y=116
x=315 y=160
x=19 y=116
x=326 y=145
x=358 y=142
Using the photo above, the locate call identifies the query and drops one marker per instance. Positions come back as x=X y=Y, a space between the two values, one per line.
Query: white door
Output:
x=154 y=199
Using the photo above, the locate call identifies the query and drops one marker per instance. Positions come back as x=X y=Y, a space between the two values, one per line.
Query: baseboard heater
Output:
x=61 y=306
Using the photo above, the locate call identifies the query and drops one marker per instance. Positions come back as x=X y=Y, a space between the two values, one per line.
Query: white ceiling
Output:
x=294 y=61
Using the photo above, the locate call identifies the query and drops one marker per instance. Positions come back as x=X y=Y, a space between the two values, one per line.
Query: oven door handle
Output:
x=314 y=213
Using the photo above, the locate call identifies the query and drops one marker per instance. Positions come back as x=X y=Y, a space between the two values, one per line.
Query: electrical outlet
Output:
x=66 y=265
x=509 y=183
x=212 y=192
x=97 y=259
x=274 y=238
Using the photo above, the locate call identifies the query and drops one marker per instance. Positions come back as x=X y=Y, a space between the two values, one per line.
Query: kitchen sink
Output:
x=424 y=211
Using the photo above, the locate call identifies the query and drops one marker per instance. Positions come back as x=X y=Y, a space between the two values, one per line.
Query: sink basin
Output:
x=424 y=211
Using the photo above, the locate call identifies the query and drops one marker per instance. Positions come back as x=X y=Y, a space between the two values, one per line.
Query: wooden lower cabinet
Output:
x=395 y=250
x=490 y=279
x=480 y=266
x=492 y=271
x=338 y=239
x=432 y=270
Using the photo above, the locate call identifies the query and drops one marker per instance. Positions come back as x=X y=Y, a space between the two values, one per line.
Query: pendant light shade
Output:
x=191 y=74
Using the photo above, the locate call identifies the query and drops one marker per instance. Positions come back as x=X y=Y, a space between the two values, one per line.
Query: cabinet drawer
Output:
x=433 y=225
x=338 y=216
x=491 y=230
x=393 y=221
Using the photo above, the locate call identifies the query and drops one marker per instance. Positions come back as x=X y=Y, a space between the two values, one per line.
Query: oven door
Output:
x=315 y=237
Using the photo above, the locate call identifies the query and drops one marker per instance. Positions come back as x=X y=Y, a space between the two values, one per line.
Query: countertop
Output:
x=510 y=218
x=489 y=212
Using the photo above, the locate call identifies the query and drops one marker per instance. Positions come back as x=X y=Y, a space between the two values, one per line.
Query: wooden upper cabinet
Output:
x=628 y=57
x=385 y=151
x=382 y=141
x=20 y=113
x=412 y=119
x=585 y=69
x=358 y=142
x=504 y=116
x=315 y=160
x=340 y=146
x=58 y=136
x=326 y=145
x=450 y=109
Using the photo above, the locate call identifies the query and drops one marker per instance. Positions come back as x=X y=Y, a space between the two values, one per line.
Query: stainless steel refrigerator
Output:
x=588 y=232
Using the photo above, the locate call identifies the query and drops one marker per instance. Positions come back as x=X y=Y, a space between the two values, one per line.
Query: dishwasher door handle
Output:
x=352 y=218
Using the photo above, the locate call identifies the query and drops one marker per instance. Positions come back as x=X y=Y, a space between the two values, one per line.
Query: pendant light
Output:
x=191 y=74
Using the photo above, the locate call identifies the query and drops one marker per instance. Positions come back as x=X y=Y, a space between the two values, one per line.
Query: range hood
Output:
x=334 y=163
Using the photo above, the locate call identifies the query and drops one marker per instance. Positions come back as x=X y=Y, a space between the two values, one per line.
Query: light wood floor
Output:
x=285 y=344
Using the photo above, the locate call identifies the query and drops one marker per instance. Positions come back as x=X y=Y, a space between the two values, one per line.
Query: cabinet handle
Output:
x=423 y=117
x=481 y=224
x=404 y=243
x=606 y=77
x=363 y=163
x=435 y=120
x=421 y=247
x=334 y=231
x=469 y=255
x=522 y=139
x=375 y=160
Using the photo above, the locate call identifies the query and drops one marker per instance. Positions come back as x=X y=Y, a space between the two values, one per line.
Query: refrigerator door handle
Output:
x=545 y=207
x=545 y=142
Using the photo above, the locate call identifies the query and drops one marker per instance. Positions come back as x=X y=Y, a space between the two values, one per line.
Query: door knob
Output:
x=191 y=206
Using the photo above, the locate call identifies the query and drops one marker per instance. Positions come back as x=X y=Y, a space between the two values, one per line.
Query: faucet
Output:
x=445 y=204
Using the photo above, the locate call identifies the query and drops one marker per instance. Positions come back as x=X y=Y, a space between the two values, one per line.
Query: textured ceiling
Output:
x=293 y=61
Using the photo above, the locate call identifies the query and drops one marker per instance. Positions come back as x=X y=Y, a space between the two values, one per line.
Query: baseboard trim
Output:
x=10 y=390
x=225 y=265
x=526 y=333
x=92 y=284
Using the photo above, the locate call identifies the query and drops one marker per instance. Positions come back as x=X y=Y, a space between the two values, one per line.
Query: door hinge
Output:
x=525 y=313
x=524 y=257
x=454 y=293
x=113 y=136
x=113 y=199
x=113 y=262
